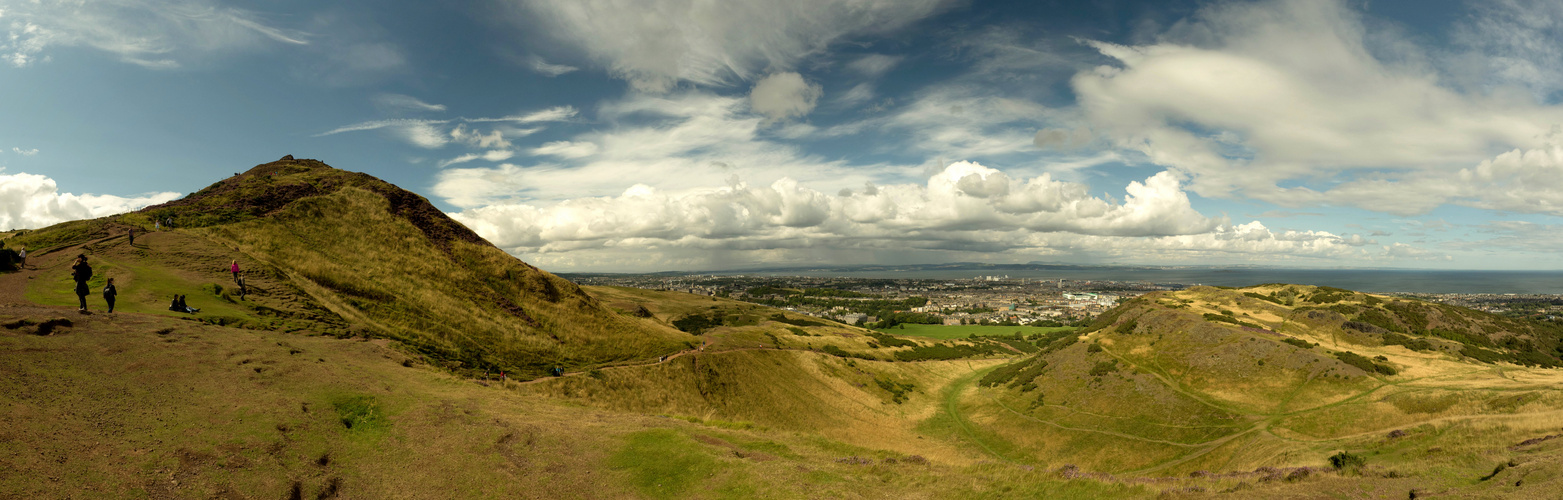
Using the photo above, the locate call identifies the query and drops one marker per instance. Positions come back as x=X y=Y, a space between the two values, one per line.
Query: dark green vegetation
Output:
x=361 y=363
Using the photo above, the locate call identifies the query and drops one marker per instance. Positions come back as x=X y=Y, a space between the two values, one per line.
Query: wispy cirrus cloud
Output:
x=541 y=66
x=662 y=42
x=436 y=133
x=153 y=34
x=399 y=102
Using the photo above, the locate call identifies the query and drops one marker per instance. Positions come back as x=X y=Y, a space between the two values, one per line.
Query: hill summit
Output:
x=347 y=254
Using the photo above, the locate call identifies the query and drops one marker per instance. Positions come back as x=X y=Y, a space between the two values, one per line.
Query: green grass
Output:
x=946 y=332
x=663 y=463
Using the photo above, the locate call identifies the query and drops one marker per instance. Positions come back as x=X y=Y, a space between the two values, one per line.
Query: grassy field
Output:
x=944 y=332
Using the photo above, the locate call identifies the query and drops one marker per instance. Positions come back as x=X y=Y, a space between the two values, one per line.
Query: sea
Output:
x=1365 y=280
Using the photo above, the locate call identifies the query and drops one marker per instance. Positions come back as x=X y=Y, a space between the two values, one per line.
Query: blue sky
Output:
x=603 y=135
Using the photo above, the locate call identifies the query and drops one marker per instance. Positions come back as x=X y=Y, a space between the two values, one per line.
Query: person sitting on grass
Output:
x=180 y=306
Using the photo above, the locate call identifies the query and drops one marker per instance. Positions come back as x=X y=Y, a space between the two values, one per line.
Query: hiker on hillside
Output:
x=132 y=237
x=22 y=255
x=157 y=225
x=108 y=294
x=235 y=268
x=81 y=272
x=242 y=290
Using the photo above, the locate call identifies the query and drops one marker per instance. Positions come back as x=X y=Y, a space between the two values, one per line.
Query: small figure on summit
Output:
x=81 y=272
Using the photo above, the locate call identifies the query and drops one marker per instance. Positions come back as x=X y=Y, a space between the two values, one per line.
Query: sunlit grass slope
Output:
x=143 y=406
x=345 y=253
x=1221 y=380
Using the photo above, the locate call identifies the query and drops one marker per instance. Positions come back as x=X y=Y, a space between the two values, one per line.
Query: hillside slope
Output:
x=1278 y=376
x=344 y=253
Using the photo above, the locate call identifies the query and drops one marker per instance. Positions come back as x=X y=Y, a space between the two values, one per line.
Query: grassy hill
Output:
x=1280 y=376
x=343 y=253
x=361 y=362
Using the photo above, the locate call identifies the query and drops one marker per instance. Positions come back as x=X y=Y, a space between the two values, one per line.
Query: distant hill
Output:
x=344 y=253
x=1274 y=375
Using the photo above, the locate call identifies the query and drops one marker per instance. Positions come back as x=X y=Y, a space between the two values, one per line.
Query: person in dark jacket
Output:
x=108 y=294
x=81 y=272
x=132 y=237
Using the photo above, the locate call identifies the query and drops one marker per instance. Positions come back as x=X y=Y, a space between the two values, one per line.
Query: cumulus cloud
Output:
x=1286 y=102
x=784 y=95
x=1517 y=181
x=29 y=201
x=965 y=210
x=659 y=43
x=153 y=34
x=965 y=197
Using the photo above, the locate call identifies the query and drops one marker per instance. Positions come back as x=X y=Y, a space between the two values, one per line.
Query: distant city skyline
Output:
x=586 y=136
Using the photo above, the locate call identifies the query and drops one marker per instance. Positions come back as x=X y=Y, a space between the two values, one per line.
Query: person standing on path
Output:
x=22 y=255
x=235 y=268
x=81 y=272
x=132 y=237
x=108 y=294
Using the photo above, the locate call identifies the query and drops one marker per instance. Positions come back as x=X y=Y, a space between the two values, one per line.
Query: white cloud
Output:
x=1514 y=42
x=874 y=65
x=858 y=94
x=1057 y=138
x=566 y=149
x=964 y=121
x=554 y=114
x=1529 y=181
x=965 y=211
x=1248 y=98
x=29 y=201
x=25 y=152
x=492 y=155
x=672 y=142
x=493 y=139
x=153 y=34
x=655 y=44
x=433 y=134
x=423 y=135
x=541 y=66
x=401 y=102
x=784 y=95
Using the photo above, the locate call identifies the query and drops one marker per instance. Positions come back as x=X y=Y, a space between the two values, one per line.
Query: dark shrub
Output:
x=1345 y=460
